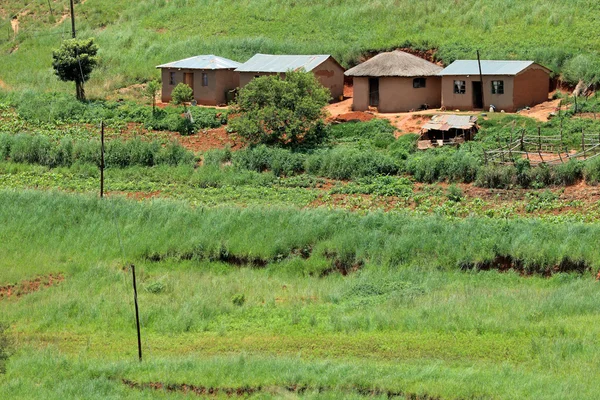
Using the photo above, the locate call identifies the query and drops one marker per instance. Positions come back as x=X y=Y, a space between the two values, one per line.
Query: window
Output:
x=460 y=87
x=171 y=78
x=418 y=83
x=204 y=79
x=497 y=87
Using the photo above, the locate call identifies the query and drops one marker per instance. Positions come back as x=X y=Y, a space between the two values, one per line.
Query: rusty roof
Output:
x=445 y=122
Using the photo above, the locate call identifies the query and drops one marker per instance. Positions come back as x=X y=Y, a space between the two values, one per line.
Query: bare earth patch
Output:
x=29 y=286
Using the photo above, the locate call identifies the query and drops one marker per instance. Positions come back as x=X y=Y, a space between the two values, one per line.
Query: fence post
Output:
x=102 y=159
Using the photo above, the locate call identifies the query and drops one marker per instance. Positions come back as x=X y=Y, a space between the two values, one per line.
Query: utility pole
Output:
x=72 y=19
x=480 y=79
x=137 y=315
x=102 y=159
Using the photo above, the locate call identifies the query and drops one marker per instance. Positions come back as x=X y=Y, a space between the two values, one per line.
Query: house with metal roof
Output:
x=396 y=82
x=507 y=85
x=210 y=77
x=325 y=68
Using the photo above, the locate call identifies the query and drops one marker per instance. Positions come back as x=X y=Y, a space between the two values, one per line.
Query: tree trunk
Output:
x=79 y=90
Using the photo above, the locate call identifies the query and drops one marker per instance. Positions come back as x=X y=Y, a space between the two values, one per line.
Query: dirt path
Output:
x=542 y=111
x=14 y=23
x=29 y=286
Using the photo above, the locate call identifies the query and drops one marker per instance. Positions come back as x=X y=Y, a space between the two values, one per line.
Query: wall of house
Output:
x=453 y=101
x=531 y=87
x=397 y=94
x=219 y=81
x=360 y=99
x=246 y=77
x=331 y=75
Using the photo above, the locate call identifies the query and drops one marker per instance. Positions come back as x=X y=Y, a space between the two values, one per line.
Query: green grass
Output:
x=135 y=37
x=411 y=325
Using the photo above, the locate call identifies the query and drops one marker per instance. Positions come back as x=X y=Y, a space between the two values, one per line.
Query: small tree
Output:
x=151 y=91
x=281 y=111
x=75 y=61
x=182 y=94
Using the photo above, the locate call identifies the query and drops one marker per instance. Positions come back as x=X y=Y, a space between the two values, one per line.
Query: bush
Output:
x=216 y=157
x=455 y=193
x=591 y=171
x=496 y=177
x=346 y=163
x=405 y=145
x=281 y=162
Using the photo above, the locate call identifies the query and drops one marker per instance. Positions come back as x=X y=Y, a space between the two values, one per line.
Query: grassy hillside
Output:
x=136 y=36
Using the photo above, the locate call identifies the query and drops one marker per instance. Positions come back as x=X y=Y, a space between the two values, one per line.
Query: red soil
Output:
x=29 y=286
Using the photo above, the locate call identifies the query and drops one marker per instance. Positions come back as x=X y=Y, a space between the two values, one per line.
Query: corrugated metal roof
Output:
x=282 y=63
x=446 y=122
x=488 y=67
x=207 y=61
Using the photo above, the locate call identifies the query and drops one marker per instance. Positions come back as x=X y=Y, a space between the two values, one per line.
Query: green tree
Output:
x=75 y=61
x=151 y=91
x=281 y=111
x=182 y=94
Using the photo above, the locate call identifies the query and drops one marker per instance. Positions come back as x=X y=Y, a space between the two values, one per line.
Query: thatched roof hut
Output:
x=395 y=63
x=396 y=82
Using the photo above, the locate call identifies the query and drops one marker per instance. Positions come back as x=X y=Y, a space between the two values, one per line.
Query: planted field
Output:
x=266 y=303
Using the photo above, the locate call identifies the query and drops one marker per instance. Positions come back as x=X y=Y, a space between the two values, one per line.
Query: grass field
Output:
x=136 y=36
x=404 y=322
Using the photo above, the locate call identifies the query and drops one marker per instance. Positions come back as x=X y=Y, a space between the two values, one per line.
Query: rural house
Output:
x=326 y=69
x=507 y=85
x=209 y=76
x=396 y=82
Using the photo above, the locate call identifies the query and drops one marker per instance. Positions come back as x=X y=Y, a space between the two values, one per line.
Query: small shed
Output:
x=447 y=129
x=396 y=82
x=209 y=76
x=325 y=68
x=507 y=85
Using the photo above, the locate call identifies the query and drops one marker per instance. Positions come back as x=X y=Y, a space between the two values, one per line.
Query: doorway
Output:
x=188 y=79
x=477 y=94
x=374 y=92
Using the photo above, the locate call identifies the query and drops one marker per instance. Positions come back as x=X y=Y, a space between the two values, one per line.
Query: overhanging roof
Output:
x=446 y=122
x=207 y=61
x=488 y=67
x=282 y=63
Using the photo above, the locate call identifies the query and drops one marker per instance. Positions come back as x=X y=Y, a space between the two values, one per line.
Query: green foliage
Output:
x=238 y=299
x=6 y=344
x=216 y=157
x=455 y=193
x=281 y=111
x=281 y=162
x=151 y=91
x=41 y=150
x=181 y=94
x=347 y=163
x=74 y=61
x=591 y=171
x=380 y=185
x=404 y=146
x=443 y=164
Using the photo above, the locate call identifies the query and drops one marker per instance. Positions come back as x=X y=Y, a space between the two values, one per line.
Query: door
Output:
x=188 y=79
x=477 y=95
x=374 y=92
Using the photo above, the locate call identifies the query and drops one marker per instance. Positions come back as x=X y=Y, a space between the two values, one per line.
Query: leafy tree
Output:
x=75 y=61
x=281 y=111
x=182 y=94
x=151 y=91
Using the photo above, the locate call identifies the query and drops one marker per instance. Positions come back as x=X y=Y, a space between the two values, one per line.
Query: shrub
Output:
x=182 y=94
x=455 y=193
x=496 y=177
x=216 y=157
x=405 y=145
x=591 y=171
x=346 y=163
x=281 y=162
x=238 y=299
x=286 y=112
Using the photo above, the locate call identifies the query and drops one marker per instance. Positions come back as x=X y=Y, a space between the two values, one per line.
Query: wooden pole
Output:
x=583 y=143
x=481 y=80
x=72 y=19
x=540 y=144
x=137 y=314
x=102 y=159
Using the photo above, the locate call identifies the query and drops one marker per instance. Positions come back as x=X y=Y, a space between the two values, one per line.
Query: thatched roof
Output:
x=395 y=63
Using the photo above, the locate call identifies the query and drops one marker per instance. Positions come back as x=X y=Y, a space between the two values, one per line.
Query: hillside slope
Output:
x=136 y=36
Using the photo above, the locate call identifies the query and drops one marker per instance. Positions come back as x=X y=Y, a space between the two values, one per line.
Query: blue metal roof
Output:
x=207 y=61
x=282 y=63
x=488 y=67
